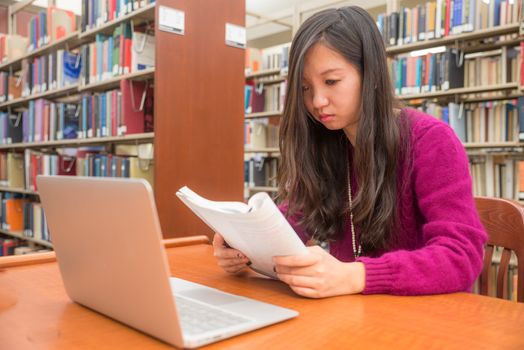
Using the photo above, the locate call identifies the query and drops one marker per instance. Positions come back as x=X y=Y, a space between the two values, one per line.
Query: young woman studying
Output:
x=381 y=194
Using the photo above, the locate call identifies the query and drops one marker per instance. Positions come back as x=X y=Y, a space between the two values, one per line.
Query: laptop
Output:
x=107 y=239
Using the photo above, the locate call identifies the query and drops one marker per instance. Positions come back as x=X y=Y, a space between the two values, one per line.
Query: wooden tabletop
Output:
x=35 y=313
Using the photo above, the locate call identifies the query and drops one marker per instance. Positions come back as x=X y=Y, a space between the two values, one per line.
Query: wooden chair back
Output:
x=504 y=222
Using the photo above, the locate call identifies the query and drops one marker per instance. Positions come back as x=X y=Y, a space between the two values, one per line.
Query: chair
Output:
x=504 y=222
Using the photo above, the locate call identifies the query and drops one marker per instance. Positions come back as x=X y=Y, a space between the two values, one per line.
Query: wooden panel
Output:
x=199 y=88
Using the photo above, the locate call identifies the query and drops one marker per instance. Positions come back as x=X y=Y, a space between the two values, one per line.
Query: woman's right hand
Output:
x=231 y=260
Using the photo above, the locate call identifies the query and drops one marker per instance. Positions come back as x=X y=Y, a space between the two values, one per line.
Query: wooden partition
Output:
x=199 y=93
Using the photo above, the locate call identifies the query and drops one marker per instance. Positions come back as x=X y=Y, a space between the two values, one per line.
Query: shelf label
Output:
x=171 y=20
x=235 y=36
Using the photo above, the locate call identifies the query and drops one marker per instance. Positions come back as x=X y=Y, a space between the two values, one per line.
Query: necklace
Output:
x=356 y=253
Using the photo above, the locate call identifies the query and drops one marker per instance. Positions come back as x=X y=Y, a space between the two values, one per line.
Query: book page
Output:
x=261 y=233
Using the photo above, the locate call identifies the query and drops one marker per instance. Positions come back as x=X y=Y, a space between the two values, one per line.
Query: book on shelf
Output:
x=258 y=229
x=275 y=57
x=260 y=171
x=12 y=214
x=60 y=22
x=10 y=87
x=12 y=47
x=15 y=170
x=427 y=73
x=443 y=18
x=7 y=246
x=489 y=121
x=95 y=13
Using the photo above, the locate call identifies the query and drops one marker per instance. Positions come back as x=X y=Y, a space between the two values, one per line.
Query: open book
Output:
x=258 y=229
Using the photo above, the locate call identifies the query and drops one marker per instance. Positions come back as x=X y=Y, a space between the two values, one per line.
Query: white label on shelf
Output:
x=235 y=36
x=171 y=20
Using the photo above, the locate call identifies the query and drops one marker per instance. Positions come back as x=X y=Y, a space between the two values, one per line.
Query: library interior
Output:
x=359 y=165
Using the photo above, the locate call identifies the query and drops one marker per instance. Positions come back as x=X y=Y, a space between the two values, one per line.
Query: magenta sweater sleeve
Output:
x=453 y=238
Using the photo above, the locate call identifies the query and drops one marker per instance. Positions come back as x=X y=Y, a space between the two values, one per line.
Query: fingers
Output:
x=313 y=257
x=295 y=281
x=231 y=260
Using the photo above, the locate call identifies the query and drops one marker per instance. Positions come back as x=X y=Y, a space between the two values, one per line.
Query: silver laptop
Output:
x=107 y=239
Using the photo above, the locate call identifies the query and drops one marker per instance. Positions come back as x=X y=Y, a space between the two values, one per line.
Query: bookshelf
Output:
x=197 y=134
x=454 y=39
x=132 y=138
x=488 y=53
x=112 y=83
x=461 y=91
x=20 y=235
x=263 y=114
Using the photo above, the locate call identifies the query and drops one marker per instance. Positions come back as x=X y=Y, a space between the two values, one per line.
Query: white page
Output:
x=260 y=234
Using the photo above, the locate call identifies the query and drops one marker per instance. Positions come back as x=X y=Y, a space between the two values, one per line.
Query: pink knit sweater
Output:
x=439 y=248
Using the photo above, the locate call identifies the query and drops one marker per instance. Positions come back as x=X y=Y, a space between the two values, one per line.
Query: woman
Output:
x=382 y=194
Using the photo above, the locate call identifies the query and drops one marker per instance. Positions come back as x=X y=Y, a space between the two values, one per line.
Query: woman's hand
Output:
x=319 y=274
x=231 y=260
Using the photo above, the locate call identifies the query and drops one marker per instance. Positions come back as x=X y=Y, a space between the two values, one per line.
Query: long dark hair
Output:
x=313 y=176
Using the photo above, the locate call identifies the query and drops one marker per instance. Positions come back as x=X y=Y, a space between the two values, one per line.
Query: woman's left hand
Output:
x=319 y=274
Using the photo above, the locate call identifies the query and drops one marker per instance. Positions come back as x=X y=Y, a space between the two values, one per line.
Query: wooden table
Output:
x=35 y=313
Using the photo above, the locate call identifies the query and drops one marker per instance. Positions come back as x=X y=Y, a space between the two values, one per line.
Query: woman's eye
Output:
x=305 y=88
x=331 y=82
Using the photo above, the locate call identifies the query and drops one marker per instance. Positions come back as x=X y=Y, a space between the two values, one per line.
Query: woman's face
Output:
x=332 y=89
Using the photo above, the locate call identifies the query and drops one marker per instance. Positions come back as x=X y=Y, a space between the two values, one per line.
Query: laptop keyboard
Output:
x=196 y=317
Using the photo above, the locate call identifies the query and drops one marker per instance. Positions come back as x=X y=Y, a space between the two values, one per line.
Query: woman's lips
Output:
x=326 y=117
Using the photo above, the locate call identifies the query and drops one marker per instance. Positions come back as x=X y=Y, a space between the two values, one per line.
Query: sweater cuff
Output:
x=380 y=275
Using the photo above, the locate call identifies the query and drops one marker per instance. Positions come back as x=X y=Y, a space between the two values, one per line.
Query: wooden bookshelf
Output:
x=493 y=145
x=263 y=114
x=452 y=39
x=144 y=14
x=199 y=137
x=262 y=189
x=192 y=145
x=20 y=235
x=17 y=190
x=263 y=150
x=132 y=138
x=269 y=81
x=459 y=91
x=70 y=41
x=114 y=82
x=263 y=73
x=55 y=93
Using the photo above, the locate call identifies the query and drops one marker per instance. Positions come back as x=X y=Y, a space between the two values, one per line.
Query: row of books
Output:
x=431 y=72
x=497 y=176
x=260 y=171
x=261 y=97
x=18 y=214
x=49 y=26
x=124 y=111
x=10 y=246
x=128 y=49
x=19 y=170
x=261 y=133
x=442 y=18
x=56 y=70
x=492 y=121
x=275 y=57
x=451 y=69
x=492 y=67
x=97 y=12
